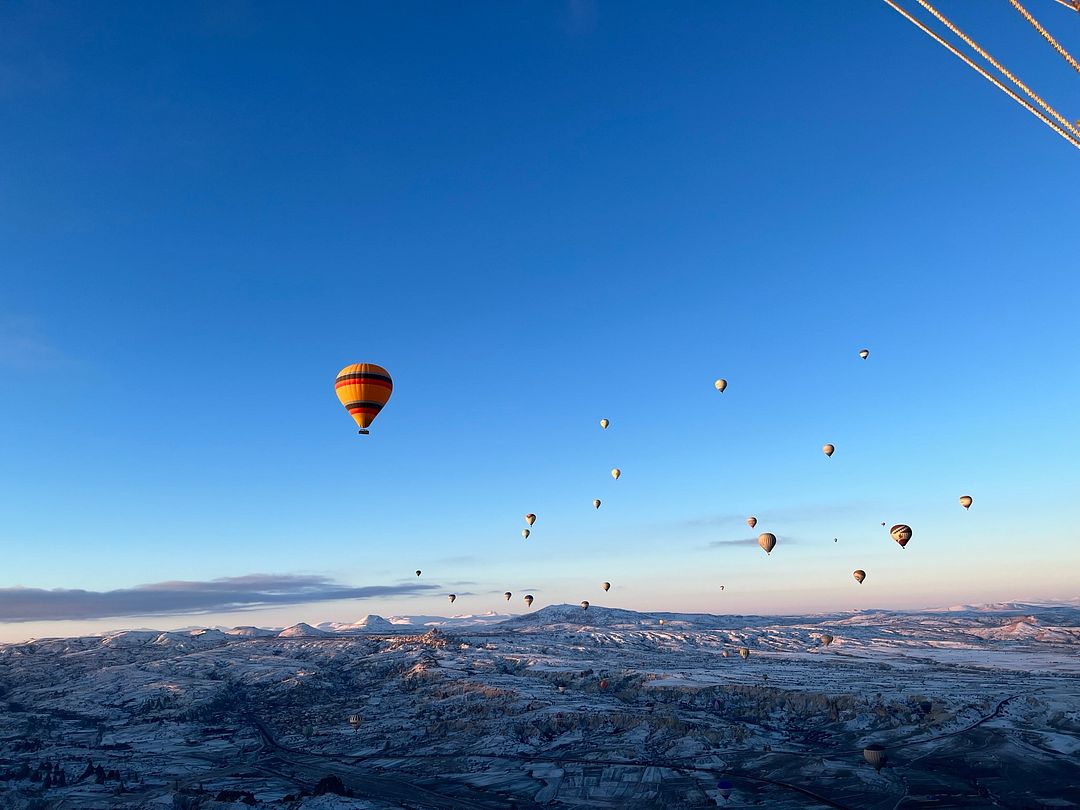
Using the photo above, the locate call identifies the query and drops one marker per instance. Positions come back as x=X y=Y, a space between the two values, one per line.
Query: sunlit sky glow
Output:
x=534 y=215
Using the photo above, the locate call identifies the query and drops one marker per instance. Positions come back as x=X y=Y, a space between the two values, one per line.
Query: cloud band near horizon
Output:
x=227 y=594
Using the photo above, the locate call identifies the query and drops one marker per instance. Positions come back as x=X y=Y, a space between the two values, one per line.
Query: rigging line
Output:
x=1046 y=34
x=993 y=80
x=975 y=47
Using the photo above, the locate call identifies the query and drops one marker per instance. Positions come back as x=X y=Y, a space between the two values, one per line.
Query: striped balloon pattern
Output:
x=364 y=388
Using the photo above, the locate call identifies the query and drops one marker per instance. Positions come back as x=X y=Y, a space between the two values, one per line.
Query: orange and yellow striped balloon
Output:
x=364 y=388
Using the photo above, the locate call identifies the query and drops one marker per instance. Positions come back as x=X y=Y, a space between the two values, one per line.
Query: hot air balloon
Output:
x=723 y=787
x=965 y=501
x=744 y=653
x=528 y=599
x=525 y=533
x=720 y=385
x=363 y=388
x=604 y=423
x=606 y=586
x=875 y=756
x=596 y=503
x=418 y=572
x=451 y=597
x=767 y=540
x=883 y=523
x=751 y=522
x=836 y=540
x=826 y=639
x=603 y=683
x=508 y=595
x=584 y=605
x=721 y=587
x=355 y=721
x=901 y=533
x=530 y=518
x=616 y=473
x=864 y=353
x=725 y=653
x=859 y=575
x=828 y=449
x=661 y=622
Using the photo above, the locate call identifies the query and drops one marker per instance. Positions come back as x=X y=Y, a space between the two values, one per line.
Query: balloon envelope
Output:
x=826 y=639
x=525 y=533
x=875 y=755
x=901 y=533
x=596 y=503
x=363 y=388
x=616 y=473
x=418 y=572
x=864 y=353
x=530 y=518
x=604 y=423
x=452 y=597
x=529 y=600
x=965 y=501
x=767 y=540
x=606 y=586
x=720 y=385
x=724 y=787
x=584 y=605
x=508 y=595
x=828 y=449
x=859 y=575
x=751 y=522
x=744 y=653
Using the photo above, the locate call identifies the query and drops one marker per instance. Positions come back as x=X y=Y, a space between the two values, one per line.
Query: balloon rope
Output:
x=1067 y=135
x=1046 y=35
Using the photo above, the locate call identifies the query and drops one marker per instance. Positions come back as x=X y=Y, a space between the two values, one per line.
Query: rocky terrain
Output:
x=977 y=707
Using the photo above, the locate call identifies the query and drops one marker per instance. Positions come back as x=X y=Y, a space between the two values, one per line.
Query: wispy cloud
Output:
x=249 y=592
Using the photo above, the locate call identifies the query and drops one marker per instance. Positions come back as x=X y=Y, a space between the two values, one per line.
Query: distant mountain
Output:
x=247 y=631
x=369 y=624
x=303 y=630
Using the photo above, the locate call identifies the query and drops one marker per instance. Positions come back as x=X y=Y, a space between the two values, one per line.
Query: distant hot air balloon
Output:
x=859 y=575
x=721 y=587
x=418 y=572
x=875 y=756
x=616 y=473
x=355 y=721
x=525 y=533
x=836 y=540
x=720 y=385
x=725 y=653
x=661 y=622
x=751 y=522
x=606 y=586
x=767 y=540
x=901 y=533
x=584 y=605
x=530 y=518
x=603 y=683
x=528 y=599
x=604 y=423
x=826 y=639
x=363 y=388
x=828 y=449
x=883 y=523
x=451 y=597
x=965 y=501
x=744 y=653
x=723 y=787
x=508 y=595
x=596 y=503
x=864 y=353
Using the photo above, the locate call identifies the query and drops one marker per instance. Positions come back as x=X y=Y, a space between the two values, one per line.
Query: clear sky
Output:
x=534 y=215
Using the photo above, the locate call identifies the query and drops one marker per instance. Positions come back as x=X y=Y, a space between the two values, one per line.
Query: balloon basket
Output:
x=363 y=431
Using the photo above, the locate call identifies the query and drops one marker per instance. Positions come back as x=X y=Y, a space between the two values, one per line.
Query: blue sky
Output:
x=534 y=215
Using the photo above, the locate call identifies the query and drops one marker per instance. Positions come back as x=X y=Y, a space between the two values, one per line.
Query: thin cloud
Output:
x=250 y=592
x=784 y=514
x=22 y=347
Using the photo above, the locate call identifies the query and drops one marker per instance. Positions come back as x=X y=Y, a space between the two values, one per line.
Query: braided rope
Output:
x=1045 y=35
x=986 y=75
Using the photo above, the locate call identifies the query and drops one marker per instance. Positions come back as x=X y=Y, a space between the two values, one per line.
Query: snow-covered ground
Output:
x=978 y=706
